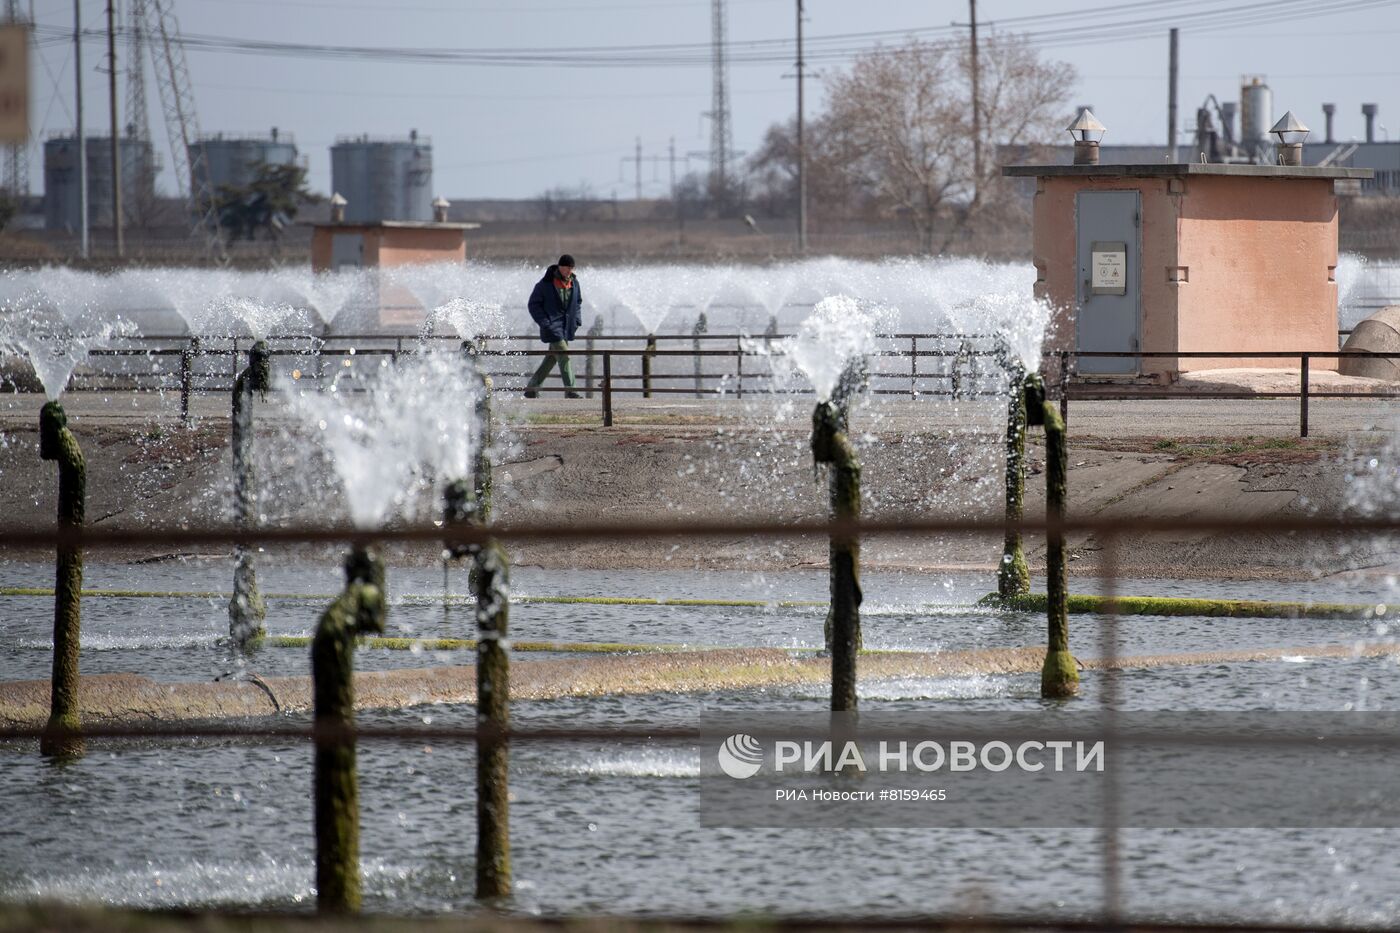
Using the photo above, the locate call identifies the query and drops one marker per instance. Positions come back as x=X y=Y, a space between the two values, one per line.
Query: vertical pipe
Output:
x=246 y=608
x=831 y=445
x=493 y=874
x=1172 y=73
x=596 y=330
x=358 y=610
x=81 y=131
x=1013 y=576
x=116 y=127
x=607 y=389
x=739 y=366
x=801 y=144
x=1059 y=677
x=56 y=442
x=1303 y=399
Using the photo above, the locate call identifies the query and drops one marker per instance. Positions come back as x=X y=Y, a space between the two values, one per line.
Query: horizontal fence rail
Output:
x=958 y=366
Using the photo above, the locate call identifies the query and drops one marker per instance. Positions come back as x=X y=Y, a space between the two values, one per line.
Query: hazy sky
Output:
x=513 y=131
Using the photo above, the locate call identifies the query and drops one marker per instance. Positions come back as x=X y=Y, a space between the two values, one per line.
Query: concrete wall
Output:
x=1262 y=260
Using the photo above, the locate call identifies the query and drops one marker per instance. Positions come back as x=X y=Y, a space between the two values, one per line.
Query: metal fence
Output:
x=957 y=366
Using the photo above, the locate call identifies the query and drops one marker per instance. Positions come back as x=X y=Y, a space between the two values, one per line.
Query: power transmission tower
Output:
x=138 y=118
x=16 y=156
x=721 y=136
x=181 y=122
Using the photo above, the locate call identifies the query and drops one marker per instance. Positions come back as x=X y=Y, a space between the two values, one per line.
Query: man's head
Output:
x=566 y=266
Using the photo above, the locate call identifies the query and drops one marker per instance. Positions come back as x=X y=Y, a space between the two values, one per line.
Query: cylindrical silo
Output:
x=61 y=204
x=1256 y=115
x=233 y=160
x=383 y=179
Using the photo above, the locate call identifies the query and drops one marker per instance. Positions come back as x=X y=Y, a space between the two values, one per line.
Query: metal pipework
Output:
x=358 y=610
x=831 y=445
x=1059 y=677
x=246 y=609
x=57 y=443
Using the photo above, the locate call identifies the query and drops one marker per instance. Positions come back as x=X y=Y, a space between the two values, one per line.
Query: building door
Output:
x=347 y=250
x=1109 y=249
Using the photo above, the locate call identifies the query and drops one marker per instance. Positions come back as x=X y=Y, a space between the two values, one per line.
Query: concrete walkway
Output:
x=1179 y=417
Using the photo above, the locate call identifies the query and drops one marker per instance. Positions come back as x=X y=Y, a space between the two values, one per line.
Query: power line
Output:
x=769 y=51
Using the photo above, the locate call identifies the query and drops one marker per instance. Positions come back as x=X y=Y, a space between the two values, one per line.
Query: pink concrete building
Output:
x=1186 y=257
x=340 y=245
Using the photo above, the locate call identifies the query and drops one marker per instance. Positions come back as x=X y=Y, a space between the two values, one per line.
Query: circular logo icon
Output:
x=741 y=756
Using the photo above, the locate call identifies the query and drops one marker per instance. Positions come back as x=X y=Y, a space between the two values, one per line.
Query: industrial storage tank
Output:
x=232 y=159
x=1256 y=117
x=61 y=180
x=383 y=179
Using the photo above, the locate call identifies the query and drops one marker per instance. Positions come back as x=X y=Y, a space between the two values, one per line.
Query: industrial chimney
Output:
x=1369 y=112
x=1330 y=111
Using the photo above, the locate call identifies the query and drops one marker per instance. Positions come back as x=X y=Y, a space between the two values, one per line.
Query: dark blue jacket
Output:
x=556 y=321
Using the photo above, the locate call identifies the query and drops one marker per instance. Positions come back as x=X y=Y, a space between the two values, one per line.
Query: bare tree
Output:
x=899 y=126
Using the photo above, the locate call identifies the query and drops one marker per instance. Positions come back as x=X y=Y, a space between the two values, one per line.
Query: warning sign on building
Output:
x=14 y=83
x=1108 y=274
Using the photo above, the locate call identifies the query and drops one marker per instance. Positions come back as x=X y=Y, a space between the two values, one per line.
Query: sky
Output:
x=520 y=124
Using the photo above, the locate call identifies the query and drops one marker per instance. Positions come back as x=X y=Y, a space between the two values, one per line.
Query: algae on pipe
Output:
x=1059 y=677
x=830 y=445
x=247 y=609
x=359 y=610
x=1013 y=576
x=56 y=442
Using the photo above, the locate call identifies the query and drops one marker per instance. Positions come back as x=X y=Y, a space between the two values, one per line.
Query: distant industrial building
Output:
x=62 y=209
x=1238 y=132
x=233 y=159
x=384 y=179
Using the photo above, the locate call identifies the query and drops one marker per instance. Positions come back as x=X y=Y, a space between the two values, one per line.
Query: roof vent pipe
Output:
x=1329 y=111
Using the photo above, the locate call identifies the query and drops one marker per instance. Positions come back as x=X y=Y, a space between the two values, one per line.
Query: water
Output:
x=227 y=823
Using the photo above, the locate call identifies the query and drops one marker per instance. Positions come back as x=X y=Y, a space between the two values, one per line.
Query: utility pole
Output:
x=82 y=135
x=801 y=146
x=1171 y=98
x=721 y=138
x=976 y=108
x=116 y=127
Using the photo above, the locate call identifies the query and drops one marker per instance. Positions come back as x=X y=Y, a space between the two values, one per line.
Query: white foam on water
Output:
x=657 y=763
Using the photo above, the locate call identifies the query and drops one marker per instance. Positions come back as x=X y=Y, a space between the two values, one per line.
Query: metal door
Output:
x=347 y=249
x=1108 y=251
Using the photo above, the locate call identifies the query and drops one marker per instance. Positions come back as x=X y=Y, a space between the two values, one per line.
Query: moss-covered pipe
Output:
x=830 y=445
x=1013 y=576
x=359 y=610
x=57 y=443
x=1059 y=677
x=246 y=610
x=493 y=875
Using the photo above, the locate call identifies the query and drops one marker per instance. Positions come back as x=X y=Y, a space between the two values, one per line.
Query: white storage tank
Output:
x=1256 y=117
x=229 y=159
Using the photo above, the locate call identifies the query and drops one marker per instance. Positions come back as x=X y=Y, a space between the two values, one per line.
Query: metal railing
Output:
x=965 y=366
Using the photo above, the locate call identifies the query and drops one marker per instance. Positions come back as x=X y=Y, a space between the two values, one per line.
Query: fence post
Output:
x=739 y=366
x=187 y=376
x=234 y=367
x=1064 y=386
x=702 y=326
x=646 y=365
x=607 y=389
x=1303 y=399
x=493 y=874
x=913 y=367
x=398 y=348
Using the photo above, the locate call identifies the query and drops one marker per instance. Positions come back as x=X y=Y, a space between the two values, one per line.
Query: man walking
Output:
x=554 y=306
